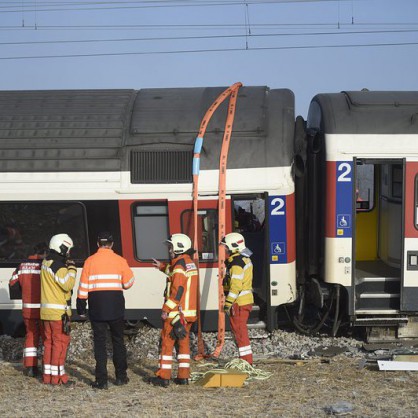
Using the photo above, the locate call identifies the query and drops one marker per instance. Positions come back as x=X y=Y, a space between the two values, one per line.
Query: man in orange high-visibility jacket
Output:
x=238 y=285
x=57 y=281
x=105 y=275
x=179 y=310
x=26 y=280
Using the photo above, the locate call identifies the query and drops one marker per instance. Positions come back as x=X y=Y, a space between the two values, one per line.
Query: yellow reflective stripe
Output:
x=170 y=304
x=53 y=306
x=187 y=297
x=192 y=312
x=179 y=271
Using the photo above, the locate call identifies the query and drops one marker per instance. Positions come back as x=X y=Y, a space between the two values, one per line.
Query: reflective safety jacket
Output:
x=105 y=275
x=57 y=281
x=27 y=276
x=181 y=292
x=238 y=280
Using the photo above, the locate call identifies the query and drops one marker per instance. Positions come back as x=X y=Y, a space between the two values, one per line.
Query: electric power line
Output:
x=368 y=45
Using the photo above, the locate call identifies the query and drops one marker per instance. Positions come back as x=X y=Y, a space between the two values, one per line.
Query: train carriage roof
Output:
x=97 y=130
x=365 y=112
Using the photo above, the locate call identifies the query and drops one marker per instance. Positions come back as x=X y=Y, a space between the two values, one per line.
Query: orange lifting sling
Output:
x=232 y=92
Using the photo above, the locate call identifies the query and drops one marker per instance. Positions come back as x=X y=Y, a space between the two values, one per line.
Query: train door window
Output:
x=151 y=230
x=249 y=215
x=25 y=224
x=365 y=187
x=207 y=231
x=416 y=201
x=397 y=181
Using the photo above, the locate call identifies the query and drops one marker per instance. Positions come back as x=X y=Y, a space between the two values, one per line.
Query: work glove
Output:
x=178 y=332
x=70 y=263
x=227 y=307
x=81 y=305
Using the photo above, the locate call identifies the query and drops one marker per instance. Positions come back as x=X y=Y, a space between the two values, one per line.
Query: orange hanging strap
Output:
x=196 y=168
x=222 y=218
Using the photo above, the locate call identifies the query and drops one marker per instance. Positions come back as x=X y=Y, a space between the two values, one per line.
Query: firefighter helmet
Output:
x=61 y=243
x=234 y=242
x=180 y=242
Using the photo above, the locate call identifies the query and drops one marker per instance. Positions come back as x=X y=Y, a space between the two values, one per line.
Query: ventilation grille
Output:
x=161 y=167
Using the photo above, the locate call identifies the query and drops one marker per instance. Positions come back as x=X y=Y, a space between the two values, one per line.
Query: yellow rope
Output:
x=236 y=364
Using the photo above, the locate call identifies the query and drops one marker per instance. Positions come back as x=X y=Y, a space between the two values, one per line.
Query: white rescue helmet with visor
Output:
x=234 y=241
x=180 y=243
x=61 y=243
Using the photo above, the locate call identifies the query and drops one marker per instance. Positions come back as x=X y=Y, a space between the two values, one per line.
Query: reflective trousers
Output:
x=55 y=352
x=238 y=319
x=119 y=349
x=33 y=333
x=166 y=353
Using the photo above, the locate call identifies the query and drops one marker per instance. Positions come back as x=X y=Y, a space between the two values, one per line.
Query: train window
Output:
x=249 y=215
x=397 y=181
x=365 y=187
x=416 y=202
x=207 y=231
x=25 y=224
x=151 y=230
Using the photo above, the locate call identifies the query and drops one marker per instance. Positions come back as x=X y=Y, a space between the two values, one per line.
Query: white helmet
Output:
x=61 y=243
x=234 y=242
x=180 y=242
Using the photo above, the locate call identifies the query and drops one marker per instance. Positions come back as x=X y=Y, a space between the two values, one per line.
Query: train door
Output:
x=409 y=294
x=379 y=202
x=249 y=220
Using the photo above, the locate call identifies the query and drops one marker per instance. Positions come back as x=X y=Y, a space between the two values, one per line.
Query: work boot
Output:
x=157 y=381
x=179 y=381
x=31 y=371
x=99 y=385
x=68 y=383
x=120 y=381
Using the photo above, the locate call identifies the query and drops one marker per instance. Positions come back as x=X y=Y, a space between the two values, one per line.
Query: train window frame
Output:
x=416 y=201
x=52 y=225
x=162 y=253
x=204 y=257
x=396 y=191
x=359 y=195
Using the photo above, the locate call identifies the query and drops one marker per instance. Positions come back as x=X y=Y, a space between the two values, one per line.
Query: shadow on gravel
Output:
x=79 y=370
x=142 y=370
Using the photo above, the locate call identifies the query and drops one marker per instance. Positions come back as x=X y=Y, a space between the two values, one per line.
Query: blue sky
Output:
x=307 y=46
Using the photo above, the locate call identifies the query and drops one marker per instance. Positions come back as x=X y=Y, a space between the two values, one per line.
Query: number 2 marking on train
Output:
x=345 y=168
x=277 y=209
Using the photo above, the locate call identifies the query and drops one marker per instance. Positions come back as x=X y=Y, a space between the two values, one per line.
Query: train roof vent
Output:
x=168 y=166
x=382 y=98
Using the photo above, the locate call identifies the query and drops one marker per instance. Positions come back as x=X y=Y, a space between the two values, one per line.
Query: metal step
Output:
x=380 y=295
x=380 y=321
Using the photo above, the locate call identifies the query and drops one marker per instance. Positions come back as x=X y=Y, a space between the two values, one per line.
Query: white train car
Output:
x=357 y=191
x=83 y=161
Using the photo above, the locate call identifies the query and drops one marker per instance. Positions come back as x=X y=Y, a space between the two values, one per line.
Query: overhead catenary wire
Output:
x=174 y=38
x=196 y=51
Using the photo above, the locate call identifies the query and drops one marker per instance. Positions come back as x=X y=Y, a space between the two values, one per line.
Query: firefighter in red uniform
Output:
x=238 y=287
x=25 y=284
x=105 y=276
x=57 y=281
x=179 y=310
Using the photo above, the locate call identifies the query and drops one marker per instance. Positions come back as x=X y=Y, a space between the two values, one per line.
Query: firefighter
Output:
x=238 y=288
x=105 y=276
x=58 y=275
x=25 y=284
x=178 y=311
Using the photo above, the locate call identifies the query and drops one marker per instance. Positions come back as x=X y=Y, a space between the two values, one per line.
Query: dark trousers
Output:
x=119 y=350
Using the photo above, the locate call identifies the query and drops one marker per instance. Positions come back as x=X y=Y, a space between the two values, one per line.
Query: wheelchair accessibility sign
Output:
x=343 y=221
x=278 y=248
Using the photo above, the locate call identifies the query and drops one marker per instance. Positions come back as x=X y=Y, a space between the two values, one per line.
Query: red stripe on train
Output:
x=330 y=199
